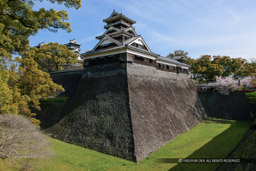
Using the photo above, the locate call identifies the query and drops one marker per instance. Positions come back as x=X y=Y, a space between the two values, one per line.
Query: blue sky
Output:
x=214 y=27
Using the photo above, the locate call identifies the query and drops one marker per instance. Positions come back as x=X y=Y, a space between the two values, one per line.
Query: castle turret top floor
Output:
x=118 y=20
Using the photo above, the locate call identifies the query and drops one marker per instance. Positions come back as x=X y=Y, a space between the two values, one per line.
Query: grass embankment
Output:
x=245 y=150
x=56 y=103
x=209 y=139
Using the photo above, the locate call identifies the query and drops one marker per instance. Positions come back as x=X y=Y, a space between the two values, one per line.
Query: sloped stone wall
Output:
x=69 y=80
x=163 y=105
x=97 y=115
x=128 y=110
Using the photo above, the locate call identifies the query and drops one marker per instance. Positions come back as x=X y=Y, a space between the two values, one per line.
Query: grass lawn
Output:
x=213 y=138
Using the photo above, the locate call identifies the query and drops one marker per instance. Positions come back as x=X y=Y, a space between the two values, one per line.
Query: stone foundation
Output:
x=163 y=105
x=128 y=110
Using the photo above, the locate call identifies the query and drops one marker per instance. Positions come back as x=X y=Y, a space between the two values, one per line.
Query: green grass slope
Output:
x=209 y=139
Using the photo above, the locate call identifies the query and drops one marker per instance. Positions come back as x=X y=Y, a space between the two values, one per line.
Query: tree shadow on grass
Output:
x=219 y=147
x=216 y=120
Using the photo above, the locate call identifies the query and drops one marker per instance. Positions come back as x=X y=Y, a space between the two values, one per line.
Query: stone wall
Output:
x=163 y=105
x=69 y=80
x=97 y=115
x=128 y=110
x=234 y=106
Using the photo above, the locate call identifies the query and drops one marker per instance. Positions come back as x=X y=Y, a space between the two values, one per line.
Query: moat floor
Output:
x=213 y=138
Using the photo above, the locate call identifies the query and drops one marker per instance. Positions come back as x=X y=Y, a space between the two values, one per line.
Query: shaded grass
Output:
x=50 y=101
x=219 y=147
x=213 y=138
x=246 y=149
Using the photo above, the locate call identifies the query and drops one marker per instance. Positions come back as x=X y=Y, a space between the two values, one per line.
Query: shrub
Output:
x=20 y=140
x=252 y=97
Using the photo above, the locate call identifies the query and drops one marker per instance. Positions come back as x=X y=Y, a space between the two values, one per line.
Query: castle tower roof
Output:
x=118 y=20
x=73 y=41
x=115 y=16
x=120 y=33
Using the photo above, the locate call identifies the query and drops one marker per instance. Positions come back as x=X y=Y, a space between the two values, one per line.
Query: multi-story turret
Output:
x=75 y=47
x=72 y=45
x=120 y=42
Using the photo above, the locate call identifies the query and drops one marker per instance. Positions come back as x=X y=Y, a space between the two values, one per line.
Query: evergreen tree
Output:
x=51 y=57
x=23 y=87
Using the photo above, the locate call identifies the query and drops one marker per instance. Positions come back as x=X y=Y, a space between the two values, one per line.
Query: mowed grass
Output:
x=214 y=138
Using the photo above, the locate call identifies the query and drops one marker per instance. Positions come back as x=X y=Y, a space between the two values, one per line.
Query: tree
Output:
x=20 y=140
x=234 y=83
x=252 y=97
x=51 y=57
x=178 y=53
x=237 y=67
x=6 y=96
x=19 y=21
x=34 y=83
x=253 y=65
x=247 y=69
x=23 y=87
x=187 y=59
x=226 y=62
x=204 y=70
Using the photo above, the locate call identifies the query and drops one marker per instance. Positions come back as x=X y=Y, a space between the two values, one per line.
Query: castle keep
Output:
x=120 y=43
x=128 y=101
